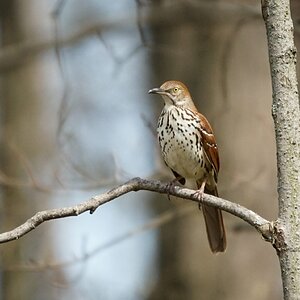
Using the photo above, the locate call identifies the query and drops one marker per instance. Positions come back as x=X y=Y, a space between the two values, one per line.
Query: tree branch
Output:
x=137 y=184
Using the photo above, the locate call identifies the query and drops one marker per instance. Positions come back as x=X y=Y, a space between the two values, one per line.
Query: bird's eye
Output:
x=176 y=89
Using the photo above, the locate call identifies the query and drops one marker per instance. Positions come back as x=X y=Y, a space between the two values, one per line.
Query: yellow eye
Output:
x=176 y=89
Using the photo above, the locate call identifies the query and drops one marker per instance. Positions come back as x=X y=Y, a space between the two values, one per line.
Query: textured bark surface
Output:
x=286 y=115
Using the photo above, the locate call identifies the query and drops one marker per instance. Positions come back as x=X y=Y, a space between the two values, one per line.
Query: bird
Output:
x=189 y=149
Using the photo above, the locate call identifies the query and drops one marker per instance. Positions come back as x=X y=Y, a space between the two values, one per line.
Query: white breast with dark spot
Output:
x=180 y=141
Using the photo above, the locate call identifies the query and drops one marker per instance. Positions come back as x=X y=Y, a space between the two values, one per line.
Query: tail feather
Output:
x=214 y=225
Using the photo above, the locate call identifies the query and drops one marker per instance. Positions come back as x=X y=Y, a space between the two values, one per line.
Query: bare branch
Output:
x=137 y=184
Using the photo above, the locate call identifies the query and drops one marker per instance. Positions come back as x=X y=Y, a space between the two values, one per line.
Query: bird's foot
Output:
x=171 y=185
x=199 y=194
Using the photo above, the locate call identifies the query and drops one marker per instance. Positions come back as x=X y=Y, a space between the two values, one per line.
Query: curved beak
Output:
x=157 y=91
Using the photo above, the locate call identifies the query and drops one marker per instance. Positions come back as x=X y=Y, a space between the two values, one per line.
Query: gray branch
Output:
x=138 y=184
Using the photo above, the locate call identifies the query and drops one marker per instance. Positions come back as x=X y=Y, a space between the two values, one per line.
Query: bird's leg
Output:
x=172 y=184
x=199 y=193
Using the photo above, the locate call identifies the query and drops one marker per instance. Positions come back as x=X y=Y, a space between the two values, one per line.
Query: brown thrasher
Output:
x=189 y=149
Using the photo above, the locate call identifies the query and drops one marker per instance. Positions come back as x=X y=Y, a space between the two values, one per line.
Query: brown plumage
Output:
x=189 y=149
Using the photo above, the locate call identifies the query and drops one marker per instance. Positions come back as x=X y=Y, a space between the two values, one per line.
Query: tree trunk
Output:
x=24 y=140
x=286 y=115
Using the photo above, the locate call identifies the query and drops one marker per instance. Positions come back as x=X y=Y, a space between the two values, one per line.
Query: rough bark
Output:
x=286 y=115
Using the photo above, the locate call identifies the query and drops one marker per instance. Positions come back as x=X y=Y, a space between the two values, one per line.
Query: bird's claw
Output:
x=199 y=194
x=171 y=186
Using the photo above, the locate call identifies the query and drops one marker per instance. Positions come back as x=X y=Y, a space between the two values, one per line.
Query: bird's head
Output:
x=174 y=93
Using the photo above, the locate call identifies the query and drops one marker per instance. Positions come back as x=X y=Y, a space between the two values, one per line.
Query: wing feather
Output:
x=209 y=144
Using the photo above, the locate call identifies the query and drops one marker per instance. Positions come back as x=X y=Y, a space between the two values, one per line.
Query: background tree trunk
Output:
x=25 y=144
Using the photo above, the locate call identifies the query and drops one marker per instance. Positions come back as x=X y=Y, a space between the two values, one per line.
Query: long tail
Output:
x=214 y=225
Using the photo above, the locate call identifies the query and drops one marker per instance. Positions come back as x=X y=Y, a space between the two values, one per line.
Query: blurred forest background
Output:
x=76 y=120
